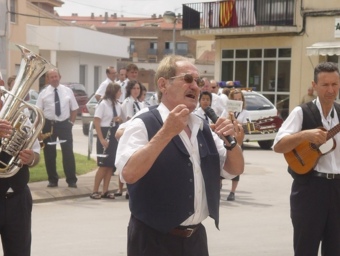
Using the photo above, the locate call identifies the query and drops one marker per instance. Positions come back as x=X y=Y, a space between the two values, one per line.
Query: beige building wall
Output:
x=318 y=29
x=17 y=32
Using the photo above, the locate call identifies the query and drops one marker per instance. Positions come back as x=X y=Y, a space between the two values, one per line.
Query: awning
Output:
x=324 y=48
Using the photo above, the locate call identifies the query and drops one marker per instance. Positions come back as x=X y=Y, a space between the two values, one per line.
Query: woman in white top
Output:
x=106 y=121
x=242 y=117
x=131 y=104
x=204 y=101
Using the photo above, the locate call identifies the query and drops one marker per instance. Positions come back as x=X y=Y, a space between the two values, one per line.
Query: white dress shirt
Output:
x=328 y=163
x=129 y=108
x=135 y=136
x=102 y=87
x=104 y=111
x=46 y=102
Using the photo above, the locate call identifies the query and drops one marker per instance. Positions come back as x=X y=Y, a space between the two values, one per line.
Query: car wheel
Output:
x=86 y=129
x=266 y=144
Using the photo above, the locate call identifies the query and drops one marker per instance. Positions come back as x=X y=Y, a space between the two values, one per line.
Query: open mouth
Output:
x=190 y=95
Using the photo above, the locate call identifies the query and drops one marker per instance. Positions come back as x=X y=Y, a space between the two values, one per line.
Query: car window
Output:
x=256 y=102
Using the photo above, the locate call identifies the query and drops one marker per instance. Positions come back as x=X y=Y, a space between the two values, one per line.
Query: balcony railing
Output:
x=238 y=13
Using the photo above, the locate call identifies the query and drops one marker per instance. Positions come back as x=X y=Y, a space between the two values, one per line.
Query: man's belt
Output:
x=184 y=231
x=56 y=122
x=329 y=176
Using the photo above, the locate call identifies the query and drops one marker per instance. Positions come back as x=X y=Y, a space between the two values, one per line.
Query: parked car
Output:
x=264 y=119
x=80 y=94
x=87 y=113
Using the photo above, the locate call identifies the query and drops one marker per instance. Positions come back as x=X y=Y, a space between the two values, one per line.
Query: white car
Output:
x=264 y=122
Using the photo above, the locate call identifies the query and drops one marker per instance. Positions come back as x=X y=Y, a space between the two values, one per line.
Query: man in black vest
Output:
x=315 y=195
x=172 y=163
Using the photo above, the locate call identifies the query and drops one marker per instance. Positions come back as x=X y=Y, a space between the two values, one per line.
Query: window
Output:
x=96 y=77
x=153 y=45
x=13 y=9
x=132 y=47
x=264 y=70
x=82 y=74
x=169 y=45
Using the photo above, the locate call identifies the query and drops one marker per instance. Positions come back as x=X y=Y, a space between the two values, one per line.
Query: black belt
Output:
x=56 y=122
x=184 y=231
x=329 y=176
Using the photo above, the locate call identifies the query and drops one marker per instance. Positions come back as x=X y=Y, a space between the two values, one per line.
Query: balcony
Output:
x=241 y=17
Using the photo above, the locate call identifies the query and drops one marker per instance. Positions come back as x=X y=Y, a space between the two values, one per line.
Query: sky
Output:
x=128 y=8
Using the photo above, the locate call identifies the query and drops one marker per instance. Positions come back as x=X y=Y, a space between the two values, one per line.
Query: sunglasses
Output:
x=188 y=78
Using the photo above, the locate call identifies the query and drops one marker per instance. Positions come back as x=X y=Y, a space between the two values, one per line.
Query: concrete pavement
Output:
x=41 y=193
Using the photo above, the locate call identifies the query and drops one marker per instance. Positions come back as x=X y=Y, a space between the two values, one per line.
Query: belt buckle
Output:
x=191 y=230
x=330 y=176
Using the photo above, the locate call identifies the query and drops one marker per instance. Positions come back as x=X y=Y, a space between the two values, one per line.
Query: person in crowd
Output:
x=214 y=87
x=121 y=76
x=131 y=74
x=309 y=96
x=242 y=118
x=130 y=106
x=204 y=101
x=59 y=107
x=315 y=195
x=141 y=97
x=16 y=200
x=10 y=82
x=111 y=77
x=172 y=162
x=217 y=103
x=106 y=121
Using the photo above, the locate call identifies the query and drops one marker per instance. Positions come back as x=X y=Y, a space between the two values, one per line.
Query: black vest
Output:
x=164 y=197
x=311 y=119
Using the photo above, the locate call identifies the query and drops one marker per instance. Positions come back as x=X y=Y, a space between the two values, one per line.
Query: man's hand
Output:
x=177 y=120
x=5 y=129
x=27 y=157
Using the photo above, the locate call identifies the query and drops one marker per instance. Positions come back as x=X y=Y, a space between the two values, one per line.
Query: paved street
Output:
x=257 y=223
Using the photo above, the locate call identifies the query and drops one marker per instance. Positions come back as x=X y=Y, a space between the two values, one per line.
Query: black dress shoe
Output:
x=127 y=196
x=72 y=185
x=52 y=185
x=231 y=197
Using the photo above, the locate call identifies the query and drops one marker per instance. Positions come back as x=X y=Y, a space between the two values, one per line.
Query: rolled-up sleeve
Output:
x=135 y=137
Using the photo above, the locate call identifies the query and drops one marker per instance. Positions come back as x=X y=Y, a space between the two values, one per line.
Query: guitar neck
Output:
x=332 y=132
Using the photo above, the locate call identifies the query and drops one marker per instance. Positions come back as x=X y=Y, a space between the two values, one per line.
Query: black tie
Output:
x=134 y=107
x=57 y=102
x=115 y=114
x=206 y=117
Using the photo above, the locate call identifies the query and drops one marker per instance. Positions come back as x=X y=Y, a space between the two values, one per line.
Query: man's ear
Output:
x=161 y=83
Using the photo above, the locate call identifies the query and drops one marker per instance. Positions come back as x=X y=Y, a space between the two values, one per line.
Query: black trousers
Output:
x=146 y=241
x=62 y=131
x=315 y=214
x=15 y=223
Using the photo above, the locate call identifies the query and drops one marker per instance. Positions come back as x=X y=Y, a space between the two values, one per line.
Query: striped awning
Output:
x=324 y=48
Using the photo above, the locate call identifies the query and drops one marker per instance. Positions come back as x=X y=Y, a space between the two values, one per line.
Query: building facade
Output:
x=269 y=45
x=81 y=55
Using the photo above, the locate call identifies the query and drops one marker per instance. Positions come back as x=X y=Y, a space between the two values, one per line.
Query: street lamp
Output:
x=170 y=17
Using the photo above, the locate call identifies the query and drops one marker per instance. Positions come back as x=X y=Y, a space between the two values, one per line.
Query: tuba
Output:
x=24 y=133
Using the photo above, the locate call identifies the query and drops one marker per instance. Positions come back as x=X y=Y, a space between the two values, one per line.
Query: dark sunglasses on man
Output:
x=188 y=78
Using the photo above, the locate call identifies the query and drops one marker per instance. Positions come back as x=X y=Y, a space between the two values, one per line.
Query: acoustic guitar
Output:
x=306 y=155
x=264 y=125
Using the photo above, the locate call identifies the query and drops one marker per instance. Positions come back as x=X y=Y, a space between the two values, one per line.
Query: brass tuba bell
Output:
x=24 y=133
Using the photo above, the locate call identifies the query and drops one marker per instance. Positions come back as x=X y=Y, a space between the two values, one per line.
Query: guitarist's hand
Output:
x=315 y=136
